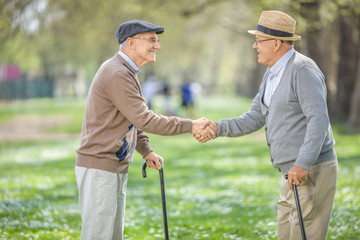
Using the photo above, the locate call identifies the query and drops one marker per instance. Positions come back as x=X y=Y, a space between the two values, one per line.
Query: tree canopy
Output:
x=204 y=40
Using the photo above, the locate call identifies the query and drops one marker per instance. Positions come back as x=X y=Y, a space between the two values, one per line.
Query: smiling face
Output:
x=266 y=48
x=144 y=47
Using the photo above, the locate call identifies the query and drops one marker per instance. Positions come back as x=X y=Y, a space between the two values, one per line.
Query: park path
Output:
x=33 y=128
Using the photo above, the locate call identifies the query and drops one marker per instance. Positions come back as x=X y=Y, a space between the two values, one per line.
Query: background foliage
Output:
x=205 y=41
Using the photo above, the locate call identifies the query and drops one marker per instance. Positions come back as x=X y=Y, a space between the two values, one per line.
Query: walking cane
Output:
x=298 y=208
x=162 y=186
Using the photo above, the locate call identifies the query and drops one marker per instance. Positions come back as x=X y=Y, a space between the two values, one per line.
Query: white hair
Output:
x=123 y=44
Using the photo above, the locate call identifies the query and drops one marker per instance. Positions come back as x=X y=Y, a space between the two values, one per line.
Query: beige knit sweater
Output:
x=114 y=106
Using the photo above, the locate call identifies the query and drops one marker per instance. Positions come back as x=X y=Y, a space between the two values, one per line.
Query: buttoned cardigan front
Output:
x=297 y=125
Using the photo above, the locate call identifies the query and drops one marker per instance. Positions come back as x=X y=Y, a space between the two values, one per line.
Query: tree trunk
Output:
x=255 y=80
x=310 y=11
x=321 y=44
x=215 y=69
x=329 y=63
x=354 y=121
x=348 y=62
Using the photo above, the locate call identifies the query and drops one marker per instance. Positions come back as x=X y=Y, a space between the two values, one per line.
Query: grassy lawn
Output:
x=224 y=189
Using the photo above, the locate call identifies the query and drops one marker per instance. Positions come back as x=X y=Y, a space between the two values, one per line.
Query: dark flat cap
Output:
x=133 y=27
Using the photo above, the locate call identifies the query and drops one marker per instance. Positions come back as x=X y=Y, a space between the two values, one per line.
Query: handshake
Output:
x=204 y=129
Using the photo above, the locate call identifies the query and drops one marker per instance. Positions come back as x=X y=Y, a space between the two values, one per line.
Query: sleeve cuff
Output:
x=186 y=126
x=143 y=148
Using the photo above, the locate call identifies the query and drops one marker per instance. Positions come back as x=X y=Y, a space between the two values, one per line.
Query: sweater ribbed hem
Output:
x=102 y=164
x=323 y=157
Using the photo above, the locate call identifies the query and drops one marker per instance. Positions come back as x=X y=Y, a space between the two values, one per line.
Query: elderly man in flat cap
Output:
x=116 y=118
x=291 y=103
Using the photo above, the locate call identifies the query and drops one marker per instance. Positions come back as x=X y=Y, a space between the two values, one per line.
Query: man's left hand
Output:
x=153 y=160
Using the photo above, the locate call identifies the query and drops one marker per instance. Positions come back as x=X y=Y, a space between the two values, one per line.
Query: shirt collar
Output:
x=129 y=61
x=275 y=69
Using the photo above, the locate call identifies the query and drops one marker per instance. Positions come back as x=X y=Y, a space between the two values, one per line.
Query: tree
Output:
x=332 y=35
x=11 y=12
x=354 y=120
x=348 y=62
x=206 y=38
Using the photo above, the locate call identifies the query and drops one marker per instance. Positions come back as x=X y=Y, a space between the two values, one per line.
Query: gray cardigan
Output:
x=297 y=124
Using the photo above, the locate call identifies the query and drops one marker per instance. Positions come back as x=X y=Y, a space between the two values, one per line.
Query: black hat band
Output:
x=273 y=32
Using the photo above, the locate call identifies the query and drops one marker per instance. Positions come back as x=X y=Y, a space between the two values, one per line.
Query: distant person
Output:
x=167 y=99
x=196 y=90
x=291 y=103
x=187 y=98
x=150 y=88
x=115 y=119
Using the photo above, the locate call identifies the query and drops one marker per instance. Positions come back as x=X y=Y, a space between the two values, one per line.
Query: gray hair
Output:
x=123 y=44
x=288 y=42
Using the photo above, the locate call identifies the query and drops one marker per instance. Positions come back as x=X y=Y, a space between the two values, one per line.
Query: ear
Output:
x=277 y=45
x=130 y=42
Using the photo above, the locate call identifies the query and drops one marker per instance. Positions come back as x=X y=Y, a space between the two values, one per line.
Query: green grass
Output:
x=224 y=189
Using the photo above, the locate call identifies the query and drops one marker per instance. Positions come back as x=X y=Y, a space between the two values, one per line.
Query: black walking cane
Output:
x=162 y=186
x=298 y=208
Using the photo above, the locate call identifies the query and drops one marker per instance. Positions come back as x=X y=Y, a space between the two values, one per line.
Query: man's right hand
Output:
x=297 y=175
x=206 y=131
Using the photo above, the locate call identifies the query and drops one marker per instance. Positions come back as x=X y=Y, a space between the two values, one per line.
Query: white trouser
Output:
x=102 y=199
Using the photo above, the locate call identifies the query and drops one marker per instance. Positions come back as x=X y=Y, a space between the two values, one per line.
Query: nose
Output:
x=254 y=45
x=157 y=45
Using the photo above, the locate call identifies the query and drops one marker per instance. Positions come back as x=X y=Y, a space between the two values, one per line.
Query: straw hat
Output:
x=276 y=24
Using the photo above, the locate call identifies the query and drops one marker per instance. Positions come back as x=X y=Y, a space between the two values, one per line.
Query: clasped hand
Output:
x=204 y=129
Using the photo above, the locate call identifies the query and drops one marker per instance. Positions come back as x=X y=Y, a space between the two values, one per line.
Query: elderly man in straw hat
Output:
x=291 y=103
x=115 y=119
